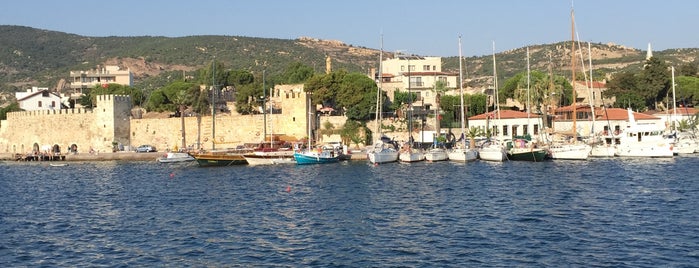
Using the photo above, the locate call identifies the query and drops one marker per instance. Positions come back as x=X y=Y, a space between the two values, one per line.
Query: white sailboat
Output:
x=462 y=152
x=383 y=150
x=602 y=145
x=409 y=153
x=683 y=143
x=571 y=149
x=494 y=150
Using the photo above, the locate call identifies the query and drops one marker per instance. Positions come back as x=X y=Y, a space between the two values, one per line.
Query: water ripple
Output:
x=602 y=212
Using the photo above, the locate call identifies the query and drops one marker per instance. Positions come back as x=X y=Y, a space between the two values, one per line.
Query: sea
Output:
x=597 y=213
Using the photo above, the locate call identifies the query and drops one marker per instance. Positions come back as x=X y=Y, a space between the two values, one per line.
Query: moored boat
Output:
x=316 y=157
x=220 y=158
x=173 y=157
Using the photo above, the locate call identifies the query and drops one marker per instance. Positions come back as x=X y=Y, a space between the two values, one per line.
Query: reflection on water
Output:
x=601 y=212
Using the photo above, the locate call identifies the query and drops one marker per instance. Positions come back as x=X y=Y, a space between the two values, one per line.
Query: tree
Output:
x=653 y=81
x=687 y=90
x=13 y=107
x=440 y=87
x=357 y=96
x=352 y=132
x=688 y=69
x=296 y=73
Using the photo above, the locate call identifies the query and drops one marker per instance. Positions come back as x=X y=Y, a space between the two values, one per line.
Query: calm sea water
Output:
x=606 y=212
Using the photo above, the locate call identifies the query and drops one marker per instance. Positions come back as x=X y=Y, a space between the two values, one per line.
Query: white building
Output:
x=417 y=74
x=38 y=98
x=508 y=124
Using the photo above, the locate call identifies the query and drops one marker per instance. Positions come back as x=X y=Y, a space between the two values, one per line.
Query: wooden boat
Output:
x=220 y=158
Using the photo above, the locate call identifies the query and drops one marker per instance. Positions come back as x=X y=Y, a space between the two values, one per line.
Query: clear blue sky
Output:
x=420 y=27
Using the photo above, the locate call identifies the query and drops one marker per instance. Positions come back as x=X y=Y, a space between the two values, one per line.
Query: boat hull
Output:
x=570 y=152
x=411 y=156
x=309 y=158
x=461 y=155
x=531 y=155
x=176 y=157
x=220 y=159
x=493 y=153
x=435 y=155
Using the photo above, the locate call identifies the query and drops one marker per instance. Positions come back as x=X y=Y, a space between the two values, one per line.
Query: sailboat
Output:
x=602 y=144
x=462 y=152
x=494 y=150
x=522 y=148
x=215 y=157
x=571 y=149
x=683 y=143
x=317 y=155
x=384 y=149
x=409 y=153
x=274 y=152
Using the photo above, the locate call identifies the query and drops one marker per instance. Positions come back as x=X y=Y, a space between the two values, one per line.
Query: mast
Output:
x=572 y=67
x=410 y=109
x=592 y=90
x=264 y=113
x=213 y=104
x=674 y=102
x=495 y=92
x=461 y=93
x=528 y=87
x=379 y=117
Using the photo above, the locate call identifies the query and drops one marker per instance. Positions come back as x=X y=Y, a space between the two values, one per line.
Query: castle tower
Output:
x=112 y=119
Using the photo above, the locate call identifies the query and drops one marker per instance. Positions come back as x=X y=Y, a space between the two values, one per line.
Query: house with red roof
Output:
x=508 y=123
x=605 y=119
x=677 y=115
x=516 y=123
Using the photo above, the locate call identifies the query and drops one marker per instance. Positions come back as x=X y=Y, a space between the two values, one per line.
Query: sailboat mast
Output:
x=572 y=67
x=213 y=104
x=461 y=92
x=592 y=90
x=528 y=87
x=378 y=92
x=495 y=92
x=674 y=102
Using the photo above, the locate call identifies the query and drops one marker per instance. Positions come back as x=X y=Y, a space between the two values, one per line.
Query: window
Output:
x=39 y=104
x=536 y=129
x=416 y=81
x=525 y=130
x=504 y=130
x=425 y=67
x=53 y=104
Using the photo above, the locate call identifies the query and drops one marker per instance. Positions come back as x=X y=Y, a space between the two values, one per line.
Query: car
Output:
x=145 y=148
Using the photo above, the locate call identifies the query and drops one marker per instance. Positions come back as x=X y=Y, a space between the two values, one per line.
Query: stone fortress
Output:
x=111 y=125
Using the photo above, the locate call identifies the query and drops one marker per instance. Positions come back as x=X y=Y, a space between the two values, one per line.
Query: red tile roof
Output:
x=504 y=114
x=595 y=84
x=619 y=114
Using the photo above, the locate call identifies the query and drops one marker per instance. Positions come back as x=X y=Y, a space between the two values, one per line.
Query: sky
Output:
x=427 y=28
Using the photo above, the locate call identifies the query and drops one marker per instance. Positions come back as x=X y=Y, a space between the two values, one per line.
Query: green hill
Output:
x=35 y=57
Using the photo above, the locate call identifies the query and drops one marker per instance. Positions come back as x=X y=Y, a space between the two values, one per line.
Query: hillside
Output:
x=35 y=57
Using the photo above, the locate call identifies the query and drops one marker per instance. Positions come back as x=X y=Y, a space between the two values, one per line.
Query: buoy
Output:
x=172 y=175
x=288 y=188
